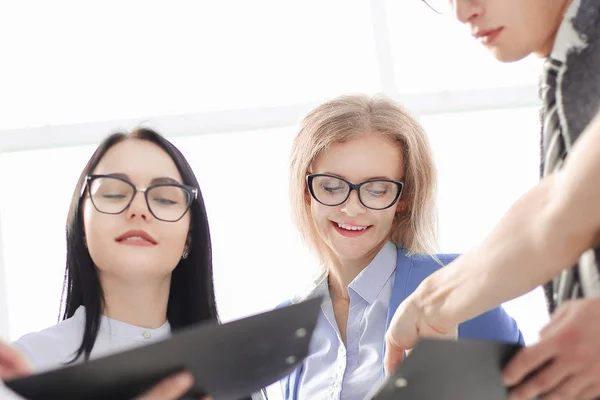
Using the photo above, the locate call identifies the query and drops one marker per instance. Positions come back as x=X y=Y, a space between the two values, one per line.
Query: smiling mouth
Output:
x=350 y=231
x=352 y=227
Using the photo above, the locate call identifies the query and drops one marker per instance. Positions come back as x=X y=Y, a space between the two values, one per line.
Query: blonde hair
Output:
x=343 y=118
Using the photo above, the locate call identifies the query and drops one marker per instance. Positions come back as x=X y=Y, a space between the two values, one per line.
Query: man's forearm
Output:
x=511 y=261
x=543 y=233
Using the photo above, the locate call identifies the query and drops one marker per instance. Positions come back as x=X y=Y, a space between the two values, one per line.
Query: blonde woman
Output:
x=363 y=186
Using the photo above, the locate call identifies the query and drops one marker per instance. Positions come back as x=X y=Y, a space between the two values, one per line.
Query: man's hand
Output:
x=407 y=326
x=566 y=362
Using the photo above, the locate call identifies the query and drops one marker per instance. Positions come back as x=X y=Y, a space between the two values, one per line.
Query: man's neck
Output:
x=142 y=304
x=545 y=50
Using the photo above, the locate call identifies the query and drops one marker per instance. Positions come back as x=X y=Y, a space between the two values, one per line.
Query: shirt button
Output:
x=147 y=335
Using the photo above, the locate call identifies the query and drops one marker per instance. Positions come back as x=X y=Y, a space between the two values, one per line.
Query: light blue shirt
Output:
x=334 y=371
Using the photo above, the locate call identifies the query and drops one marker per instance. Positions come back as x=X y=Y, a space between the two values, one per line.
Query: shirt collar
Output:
x=372 y=279
x=567 y=37
x=113 y=327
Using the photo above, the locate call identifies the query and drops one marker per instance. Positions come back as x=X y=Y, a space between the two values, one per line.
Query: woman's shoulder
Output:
x=434 y=258
x=412 y=269
x=52 y=346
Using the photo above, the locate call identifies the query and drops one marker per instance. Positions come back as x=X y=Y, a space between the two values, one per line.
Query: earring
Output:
x=184 y=255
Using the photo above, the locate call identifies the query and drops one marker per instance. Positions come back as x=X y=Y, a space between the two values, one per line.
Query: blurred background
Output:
x=228 y=81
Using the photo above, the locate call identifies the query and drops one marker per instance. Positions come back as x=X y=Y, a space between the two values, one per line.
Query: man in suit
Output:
x=551 y=235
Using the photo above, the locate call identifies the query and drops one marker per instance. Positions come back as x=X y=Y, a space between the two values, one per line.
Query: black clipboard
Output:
x=450 y=370
x=228 y=361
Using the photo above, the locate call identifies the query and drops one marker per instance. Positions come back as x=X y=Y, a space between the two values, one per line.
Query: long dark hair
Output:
x=191 y=296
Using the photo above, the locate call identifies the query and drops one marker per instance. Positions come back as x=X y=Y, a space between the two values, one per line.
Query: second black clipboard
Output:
x=450 y=370
x=228 y=361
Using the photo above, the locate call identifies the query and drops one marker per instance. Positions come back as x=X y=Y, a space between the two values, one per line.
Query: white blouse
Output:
x=55 y=346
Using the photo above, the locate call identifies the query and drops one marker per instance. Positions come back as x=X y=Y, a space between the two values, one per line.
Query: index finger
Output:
x=393 y=357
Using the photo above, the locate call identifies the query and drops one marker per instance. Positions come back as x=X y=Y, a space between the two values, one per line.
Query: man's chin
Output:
x=508 y=56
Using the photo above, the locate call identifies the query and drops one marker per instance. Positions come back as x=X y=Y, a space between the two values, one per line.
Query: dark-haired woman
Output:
x=139 y=261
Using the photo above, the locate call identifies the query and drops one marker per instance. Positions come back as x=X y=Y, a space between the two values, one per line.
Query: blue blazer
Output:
x=411 y=270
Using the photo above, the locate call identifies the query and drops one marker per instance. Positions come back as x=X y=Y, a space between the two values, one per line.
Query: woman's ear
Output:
x=402 y=205
x=187 y=247
x=84 y=238
x=307 y=197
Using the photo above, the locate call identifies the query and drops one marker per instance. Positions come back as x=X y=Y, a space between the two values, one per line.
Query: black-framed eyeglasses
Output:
x=440 y=6
x=376 y=194
x=166 y=201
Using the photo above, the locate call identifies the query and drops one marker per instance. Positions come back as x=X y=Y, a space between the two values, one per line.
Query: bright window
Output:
x=73 y=62
x=36 y=192
x=432 y=53
x=486 y=161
